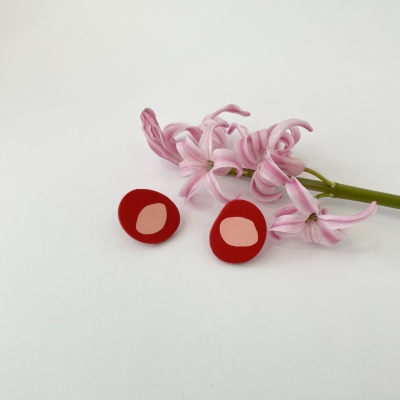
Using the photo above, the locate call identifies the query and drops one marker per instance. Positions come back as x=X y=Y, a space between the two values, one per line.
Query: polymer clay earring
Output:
x=148 y=216
x=239 y=232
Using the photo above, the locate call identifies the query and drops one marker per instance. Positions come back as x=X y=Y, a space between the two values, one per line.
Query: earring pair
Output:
x=237 y=235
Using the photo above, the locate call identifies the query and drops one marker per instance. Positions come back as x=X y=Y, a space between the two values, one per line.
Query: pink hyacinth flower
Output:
x=163 y=141
x=201 y=162
x=312 y=222
x=268 y=152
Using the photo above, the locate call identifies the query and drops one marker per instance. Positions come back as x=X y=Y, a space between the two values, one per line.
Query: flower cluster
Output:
x=204 y=153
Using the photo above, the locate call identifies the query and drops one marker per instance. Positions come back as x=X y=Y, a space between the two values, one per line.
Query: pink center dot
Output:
x=238 y=232
x=151 y=219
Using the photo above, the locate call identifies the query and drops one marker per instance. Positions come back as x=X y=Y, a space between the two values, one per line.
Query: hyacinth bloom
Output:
x=163 y=141
x=268 y=152
x=312 y=221
x=201 y=161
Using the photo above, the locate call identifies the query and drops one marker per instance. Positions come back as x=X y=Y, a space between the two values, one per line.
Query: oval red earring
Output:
x=239 y=232
x=148 y=216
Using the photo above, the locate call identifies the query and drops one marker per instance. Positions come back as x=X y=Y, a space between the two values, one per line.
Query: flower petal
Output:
x=212 y=187
x=312 y=233
x=261 y=196
x=155 y=138
x=171 y=130
x=330 y=237
x=189 y=151
x=301 y=198
x=150 y=126
x=287 y=141
x=259 y=140
x=226 y=158
x=231 y=108
x=271 y=172
x=243 y=131
x=281 y=128
x=289 y=165
x=275 y=235
x=262 y=184
x=285 y=210
x=289 y=223
x=340 y=221
x=191 y=167
x=206 y=141
x=192 y=184
x=218 y=134
x=246 y=153
x=295 y=131
x=251 y=148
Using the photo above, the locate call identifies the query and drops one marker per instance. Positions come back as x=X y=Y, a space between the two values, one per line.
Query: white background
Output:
x=88 y=313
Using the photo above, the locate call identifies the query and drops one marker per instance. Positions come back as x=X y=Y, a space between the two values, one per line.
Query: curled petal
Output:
x=171 y=130
x=285 y=210
x=288 y=142
x=251 y=148
x=340 y=222
x=243 y=131
x=301 y=198
x=221 y=171
x=282 y=127
x=192 y=184
x=231 y=108
x=212 y=187
x=270 y=172
x=206 y=141
x=261 y=196
x=218 y=134
x=295 y=131
x=259 y=140
x=289 y=223
x=330 y=237
x=150 y=126
x=224 y=158
x=275 y=235
x=289 y=165
x=246 y=153
x=161 y=152
x=262 y=184
x=155 y=138
x=189 y=151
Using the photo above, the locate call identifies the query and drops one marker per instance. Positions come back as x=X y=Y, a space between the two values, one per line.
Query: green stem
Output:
x=321 y=195
x=340 y=191
x=318 y=175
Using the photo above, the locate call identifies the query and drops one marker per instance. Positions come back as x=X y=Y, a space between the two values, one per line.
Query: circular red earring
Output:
x=148 y=216
x=239 y=232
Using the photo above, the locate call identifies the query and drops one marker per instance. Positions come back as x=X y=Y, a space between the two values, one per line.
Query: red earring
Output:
x=239 y=232
x=148 y=216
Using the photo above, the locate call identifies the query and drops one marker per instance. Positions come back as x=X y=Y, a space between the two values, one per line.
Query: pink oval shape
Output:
x=151 y=219
x=238 y=232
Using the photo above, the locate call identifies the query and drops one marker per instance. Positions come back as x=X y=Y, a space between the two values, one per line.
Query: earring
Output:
x=148 y=216
x=239 y=232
